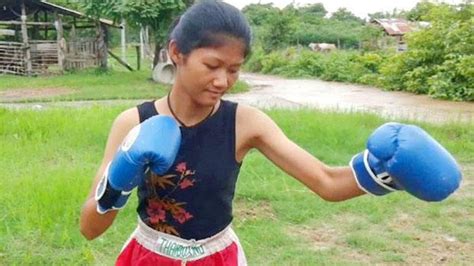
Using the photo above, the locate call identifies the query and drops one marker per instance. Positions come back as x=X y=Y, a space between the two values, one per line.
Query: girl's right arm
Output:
x=93 y=224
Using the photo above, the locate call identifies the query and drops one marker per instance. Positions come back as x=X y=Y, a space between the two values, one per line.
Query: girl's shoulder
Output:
x=252 y=122
x=126 y=120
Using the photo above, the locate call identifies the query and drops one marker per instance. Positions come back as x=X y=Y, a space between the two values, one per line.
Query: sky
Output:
x=358 y=7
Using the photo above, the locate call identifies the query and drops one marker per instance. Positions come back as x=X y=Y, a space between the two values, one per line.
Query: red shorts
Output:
x=149 y=247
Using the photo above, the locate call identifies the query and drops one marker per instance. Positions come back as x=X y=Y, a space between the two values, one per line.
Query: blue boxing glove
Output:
x=405 y=157
x=152 y=144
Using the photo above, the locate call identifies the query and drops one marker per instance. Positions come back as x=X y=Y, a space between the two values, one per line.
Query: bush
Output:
x=454 y=79
x=296 y=62
x=440 y=59
x=392 y=71
x=371 y=61
x=417 y=80
x=254 y=61
x=305 y=64
x=343 y=66
x=272 y=62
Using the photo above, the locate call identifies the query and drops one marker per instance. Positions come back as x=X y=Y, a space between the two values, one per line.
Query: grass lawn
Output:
x=87 y=85
x=48 y=159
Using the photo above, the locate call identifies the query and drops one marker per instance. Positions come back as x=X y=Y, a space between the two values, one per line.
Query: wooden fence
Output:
x=12 y=58
x=45 y=56
x=81 y=54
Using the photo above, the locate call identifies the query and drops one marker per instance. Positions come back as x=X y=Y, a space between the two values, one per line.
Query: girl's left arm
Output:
x=330 y=183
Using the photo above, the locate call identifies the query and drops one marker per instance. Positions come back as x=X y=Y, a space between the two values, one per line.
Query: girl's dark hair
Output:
x=207 y=24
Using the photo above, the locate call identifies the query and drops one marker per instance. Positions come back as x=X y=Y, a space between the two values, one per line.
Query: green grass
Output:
x=48 y=159
x=90 y=84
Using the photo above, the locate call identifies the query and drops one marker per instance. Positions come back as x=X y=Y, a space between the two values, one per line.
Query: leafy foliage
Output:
x=259 y=14
x=439 y=60
x=274 y=28
x=342 y=14
x=158 y=14
x=73 y=4
x=279 y=32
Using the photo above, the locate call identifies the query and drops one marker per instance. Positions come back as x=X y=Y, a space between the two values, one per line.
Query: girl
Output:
x=185 y=212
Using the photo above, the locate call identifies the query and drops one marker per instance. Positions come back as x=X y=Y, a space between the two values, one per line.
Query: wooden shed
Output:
x=395 y=28
x=40 y=38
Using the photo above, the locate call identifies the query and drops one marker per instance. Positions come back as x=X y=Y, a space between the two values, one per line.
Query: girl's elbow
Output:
x=336 y=184
x=328 y=190
x=88 y=224
x=329 y=196
x=88 y=232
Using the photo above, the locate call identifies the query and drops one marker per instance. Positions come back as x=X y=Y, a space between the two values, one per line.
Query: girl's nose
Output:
x=221 y=81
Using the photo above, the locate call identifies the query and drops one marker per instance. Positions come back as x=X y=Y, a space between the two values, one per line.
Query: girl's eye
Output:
x=212 y=67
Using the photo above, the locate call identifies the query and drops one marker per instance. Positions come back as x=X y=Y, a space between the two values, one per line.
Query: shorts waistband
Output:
x=179 y=248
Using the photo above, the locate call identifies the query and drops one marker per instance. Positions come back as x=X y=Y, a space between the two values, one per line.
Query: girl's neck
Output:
x=185 y=110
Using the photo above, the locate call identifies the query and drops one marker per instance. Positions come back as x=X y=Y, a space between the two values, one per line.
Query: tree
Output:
x=279 y=31
x=379 y=15
x=259 y=14
x=312 y=14
x=157 y=14
x=72 y=4
x=317 y=10
x=420 y=11
x=342 y=14
x=439 y=60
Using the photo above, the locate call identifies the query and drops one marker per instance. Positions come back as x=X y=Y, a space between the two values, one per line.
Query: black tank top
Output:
x=193 y=200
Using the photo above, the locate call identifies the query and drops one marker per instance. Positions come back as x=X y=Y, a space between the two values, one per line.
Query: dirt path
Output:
x=271 y=91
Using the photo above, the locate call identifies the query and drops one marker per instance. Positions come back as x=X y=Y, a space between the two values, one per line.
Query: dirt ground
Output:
x=25 y=94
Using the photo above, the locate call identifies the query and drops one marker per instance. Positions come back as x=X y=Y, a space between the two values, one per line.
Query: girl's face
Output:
x=205 y=74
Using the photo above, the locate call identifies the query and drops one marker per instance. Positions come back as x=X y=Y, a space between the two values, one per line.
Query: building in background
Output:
x=37 y=38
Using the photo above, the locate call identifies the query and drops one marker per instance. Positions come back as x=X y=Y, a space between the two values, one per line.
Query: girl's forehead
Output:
x=229 y=51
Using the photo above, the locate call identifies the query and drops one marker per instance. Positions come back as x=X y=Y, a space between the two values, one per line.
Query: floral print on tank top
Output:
x=161 y=209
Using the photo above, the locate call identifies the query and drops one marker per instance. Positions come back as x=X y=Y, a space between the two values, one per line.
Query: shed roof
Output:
x=11 y=10
x=394 y=26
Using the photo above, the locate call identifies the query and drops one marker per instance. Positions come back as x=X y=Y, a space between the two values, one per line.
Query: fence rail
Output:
x=12 y=58
x=44 y=56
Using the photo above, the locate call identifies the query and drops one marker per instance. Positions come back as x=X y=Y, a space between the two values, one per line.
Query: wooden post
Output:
x=147 y=51
x=45 y=28
x=102 y=45
x=139 y=57
x=142 y=40
x=60 y=40
x=24 y=34
x=124 y=40
x=35 y=34
x=72 y=38
x=123 y=63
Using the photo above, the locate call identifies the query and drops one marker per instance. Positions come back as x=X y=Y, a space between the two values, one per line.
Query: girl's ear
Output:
x=176 y=56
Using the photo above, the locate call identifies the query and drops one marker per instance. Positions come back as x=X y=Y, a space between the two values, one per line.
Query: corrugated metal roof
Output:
x=10 y=10
x=394 y=26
